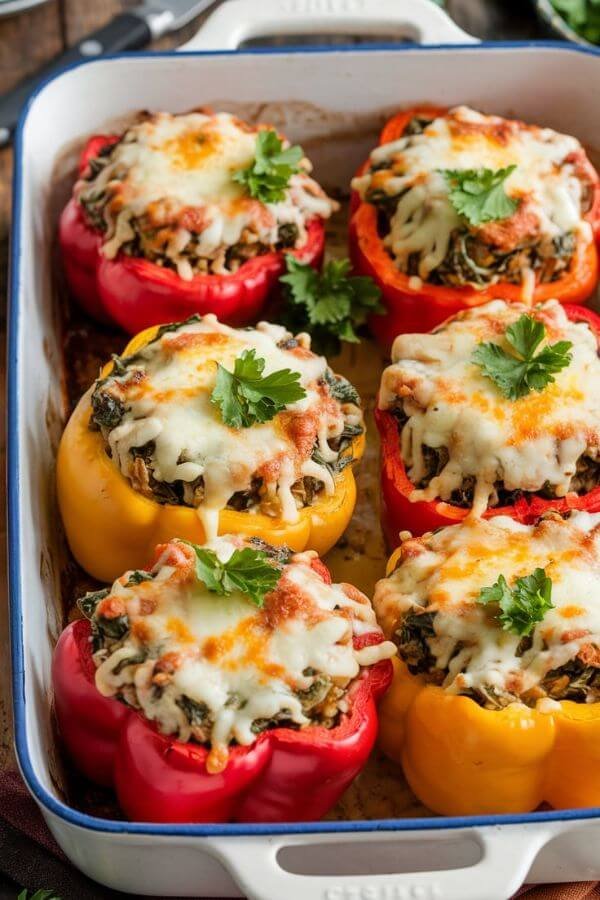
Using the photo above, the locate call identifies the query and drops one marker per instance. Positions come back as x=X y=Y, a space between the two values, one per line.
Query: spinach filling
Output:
x=108 y=411
x=585 y=479
x=469 y=259
x=573 y=681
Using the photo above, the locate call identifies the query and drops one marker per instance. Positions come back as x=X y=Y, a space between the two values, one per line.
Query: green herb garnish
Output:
x=330 y=305
x=38 y=895
x=479 y=195
x=523 y=605
x=268 y=176
x=249 y=571
x=583 y=16
x=518 y=373
x=245 y=396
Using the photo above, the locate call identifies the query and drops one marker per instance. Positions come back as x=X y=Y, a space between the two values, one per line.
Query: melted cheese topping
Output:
x=240 y=663
x=166 y=394
x=444 y=572
x=173 y=176
x=550 y=181
x=523 y=443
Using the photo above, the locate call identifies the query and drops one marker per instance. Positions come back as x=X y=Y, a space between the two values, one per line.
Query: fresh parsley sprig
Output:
x=330 y=305
x=523 y=605
x=249 y=571
x=478 y=194
x=522 y=371
x=268 y=176
x=246 y=397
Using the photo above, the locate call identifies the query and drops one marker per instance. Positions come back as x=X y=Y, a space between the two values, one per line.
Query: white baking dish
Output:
x=325 y=98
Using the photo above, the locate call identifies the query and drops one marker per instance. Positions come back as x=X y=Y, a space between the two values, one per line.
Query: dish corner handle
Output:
x=236 y=21
x=506 y=857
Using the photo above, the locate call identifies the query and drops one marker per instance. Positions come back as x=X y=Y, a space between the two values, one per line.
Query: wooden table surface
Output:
x=31 y=38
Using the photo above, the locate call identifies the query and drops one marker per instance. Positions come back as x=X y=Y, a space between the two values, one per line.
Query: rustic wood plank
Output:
x=28 y=40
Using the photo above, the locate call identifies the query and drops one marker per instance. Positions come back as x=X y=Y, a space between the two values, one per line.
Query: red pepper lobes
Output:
x=136 y=293
x=419 y=309
x=399 y=514
x=284 y=776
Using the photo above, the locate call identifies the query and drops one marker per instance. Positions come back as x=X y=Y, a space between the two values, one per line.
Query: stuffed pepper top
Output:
x=495 y=705
x=193 y=194
x=206 y=420
x=480 y=204
x=247 y=670
x=499 y=404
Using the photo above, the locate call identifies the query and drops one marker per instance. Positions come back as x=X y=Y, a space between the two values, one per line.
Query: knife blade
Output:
x=128 y=31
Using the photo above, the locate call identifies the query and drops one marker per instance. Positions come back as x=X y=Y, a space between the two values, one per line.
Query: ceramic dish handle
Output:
x=238 y=20
x=506 y=857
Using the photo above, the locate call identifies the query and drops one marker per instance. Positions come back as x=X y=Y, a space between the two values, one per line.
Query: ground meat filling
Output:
x=482 y=257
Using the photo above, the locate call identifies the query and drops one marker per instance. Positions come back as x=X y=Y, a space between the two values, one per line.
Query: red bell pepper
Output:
x=136 y=293
x=284 y=776
x=399 y=514
x=420 y=309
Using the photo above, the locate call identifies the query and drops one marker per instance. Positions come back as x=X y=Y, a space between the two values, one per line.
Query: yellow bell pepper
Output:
x=462 y=759
x=110 y=527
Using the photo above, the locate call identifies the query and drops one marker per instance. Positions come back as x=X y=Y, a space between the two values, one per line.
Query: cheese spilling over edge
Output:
x=243 y=663
x=547 y=180
x=523 y=443
x=443 y=573
x=175 y=172
x=166 y=394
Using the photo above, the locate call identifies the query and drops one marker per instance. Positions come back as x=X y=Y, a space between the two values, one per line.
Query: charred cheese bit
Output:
x=523 y=444
x=169 y=183
x=218 y=669
x=165 y=397
x=441 y=575
x=551 y=181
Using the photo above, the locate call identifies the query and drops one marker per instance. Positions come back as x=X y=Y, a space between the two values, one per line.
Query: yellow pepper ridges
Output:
x=461 y=759
x=111 y=528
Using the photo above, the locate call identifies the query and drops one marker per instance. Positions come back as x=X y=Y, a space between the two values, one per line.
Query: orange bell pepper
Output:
x=111 y=528
x=461 y=759
x=418 y=309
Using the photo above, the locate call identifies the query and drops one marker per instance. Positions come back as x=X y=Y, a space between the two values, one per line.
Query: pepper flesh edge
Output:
x=112 y=528
x=421 y=309
x=398 y=513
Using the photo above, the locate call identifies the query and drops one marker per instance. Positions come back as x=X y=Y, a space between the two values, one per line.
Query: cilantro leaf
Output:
x=267 y=178
x=246 y=397
x=523 y=605
x=517 y=375
x=249 y=571
x=479 y=195
x=330 y=305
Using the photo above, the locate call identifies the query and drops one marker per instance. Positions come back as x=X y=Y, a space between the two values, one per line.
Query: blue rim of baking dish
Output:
x=37 y=789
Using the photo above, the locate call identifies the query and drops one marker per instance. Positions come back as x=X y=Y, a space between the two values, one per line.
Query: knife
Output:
x=128 y=31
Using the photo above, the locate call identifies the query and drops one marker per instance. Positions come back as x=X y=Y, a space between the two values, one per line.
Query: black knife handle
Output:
x=125 y=32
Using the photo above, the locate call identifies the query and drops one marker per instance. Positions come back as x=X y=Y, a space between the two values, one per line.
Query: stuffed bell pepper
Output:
x=188 y=213
x=495 y=704
x=497 y=412
x=201 y=429
x=229 y=682
x=455 y=208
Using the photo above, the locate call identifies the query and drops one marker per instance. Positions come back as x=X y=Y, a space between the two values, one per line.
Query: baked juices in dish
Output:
x=200 y=429
x=495 y=704
x=455 y=208
x=228 y=682
x=496 y=412
x=188 y=213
